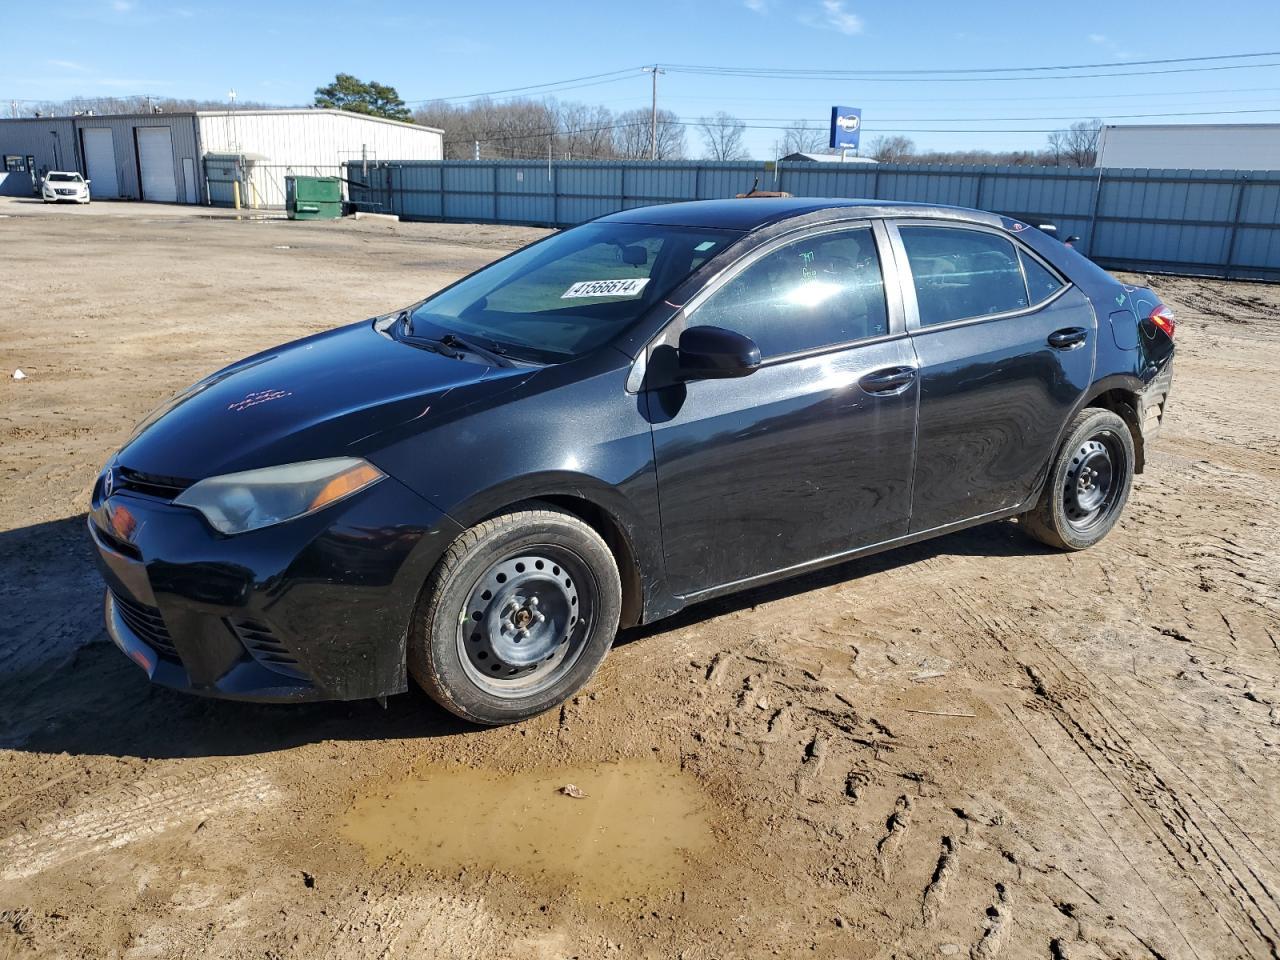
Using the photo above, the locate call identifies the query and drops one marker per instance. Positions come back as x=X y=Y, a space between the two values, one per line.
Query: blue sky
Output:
x=279 y=52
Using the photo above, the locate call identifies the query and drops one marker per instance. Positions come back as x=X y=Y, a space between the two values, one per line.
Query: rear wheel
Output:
x=517 y=616
x=1088 y=483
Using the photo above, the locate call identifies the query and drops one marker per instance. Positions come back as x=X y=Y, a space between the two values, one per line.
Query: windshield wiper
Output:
x=494 y=354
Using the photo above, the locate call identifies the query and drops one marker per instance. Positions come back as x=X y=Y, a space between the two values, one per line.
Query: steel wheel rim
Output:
x=526 y=621
x=1094 y=480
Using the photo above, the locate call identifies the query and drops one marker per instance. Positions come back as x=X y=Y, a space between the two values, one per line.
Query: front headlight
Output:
x=237 y=502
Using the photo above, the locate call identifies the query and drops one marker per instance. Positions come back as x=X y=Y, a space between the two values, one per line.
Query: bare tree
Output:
x=1077 y=146
x=108 y=106
x=895 y=149
x=802 y=137
x=512 y=130
x=586 y=132
x=631 y=136
x=722 y=135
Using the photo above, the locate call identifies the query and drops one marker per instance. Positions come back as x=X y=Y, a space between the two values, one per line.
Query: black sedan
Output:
x=630 y=416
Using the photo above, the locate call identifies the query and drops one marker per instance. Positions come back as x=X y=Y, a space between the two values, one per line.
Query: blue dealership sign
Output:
x=846 y=125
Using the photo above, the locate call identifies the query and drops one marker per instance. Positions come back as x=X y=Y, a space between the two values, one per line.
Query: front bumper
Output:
x=317 y=608
x=57 y=197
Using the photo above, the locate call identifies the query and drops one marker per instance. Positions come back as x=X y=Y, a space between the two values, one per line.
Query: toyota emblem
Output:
x=108 y=482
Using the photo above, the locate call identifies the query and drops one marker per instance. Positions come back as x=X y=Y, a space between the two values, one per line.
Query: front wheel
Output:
x=1088 y=483
x=517 y=616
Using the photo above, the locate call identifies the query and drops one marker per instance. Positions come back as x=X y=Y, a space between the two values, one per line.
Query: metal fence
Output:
x=1222 y=223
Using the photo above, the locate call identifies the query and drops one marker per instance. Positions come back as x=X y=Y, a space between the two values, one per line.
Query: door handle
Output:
x=888 y=380
x=1068 y=337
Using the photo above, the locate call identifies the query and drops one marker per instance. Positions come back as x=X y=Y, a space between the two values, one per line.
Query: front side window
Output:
x=572 y=292
x=822 y=290
x=962 y=274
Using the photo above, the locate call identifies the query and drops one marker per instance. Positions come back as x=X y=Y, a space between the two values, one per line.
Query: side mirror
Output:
x=1071 y=239
x=714 y=353
x=635 y=255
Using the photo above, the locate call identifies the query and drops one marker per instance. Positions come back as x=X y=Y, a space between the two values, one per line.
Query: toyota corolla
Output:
x=654 y=408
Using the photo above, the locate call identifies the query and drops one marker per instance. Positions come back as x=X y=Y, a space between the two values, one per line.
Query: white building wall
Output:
x=322 y=138
x=1234 y=146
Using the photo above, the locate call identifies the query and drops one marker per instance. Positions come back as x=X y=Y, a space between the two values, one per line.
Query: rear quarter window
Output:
x=1042 y=283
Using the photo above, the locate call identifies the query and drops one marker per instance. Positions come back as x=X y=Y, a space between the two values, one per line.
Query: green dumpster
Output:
x=313 y=198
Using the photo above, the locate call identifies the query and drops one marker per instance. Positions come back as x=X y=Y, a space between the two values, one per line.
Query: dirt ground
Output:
x=971 y=747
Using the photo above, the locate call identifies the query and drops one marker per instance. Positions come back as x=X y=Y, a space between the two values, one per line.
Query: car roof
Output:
x=752 y=213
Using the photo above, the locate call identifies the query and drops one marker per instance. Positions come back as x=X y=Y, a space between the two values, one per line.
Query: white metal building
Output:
x=200 y=157
x=1191 y=146
x=803 y=157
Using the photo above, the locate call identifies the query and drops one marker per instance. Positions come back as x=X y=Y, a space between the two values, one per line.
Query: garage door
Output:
x=100 y=161
x=155 y=158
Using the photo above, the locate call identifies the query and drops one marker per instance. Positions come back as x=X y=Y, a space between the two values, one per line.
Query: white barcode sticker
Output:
x=605 y=288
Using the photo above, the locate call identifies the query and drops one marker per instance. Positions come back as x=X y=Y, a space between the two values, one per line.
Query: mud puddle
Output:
x=637 y=827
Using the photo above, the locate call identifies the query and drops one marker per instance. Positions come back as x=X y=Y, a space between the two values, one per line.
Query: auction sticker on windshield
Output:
x=605 y=288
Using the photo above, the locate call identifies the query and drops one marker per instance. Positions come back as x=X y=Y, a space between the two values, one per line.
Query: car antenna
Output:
x=755 y=191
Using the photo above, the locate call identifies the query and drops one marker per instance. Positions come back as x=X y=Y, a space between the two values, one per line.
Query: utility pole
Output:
x=653 y=115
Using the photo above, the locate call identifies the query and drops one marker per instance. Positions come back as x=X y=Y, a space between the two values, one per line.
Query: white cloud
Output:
x=1116 y=51
x=122 y=6
x=68 y=65
x=838 y=18
x=756 y=6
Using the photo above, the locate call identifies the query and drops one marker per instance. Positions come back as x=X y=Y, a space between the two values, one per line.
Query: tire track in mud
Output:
x=146 y=808
x=1199 y=847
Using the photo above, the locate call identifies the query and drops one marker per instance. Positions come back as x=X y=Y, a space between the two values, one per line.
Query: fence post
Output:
x=1093 y=213
x=982 y=178
x=875 y=183
x=555 y=196
x=440 y=180
x=1241 y=184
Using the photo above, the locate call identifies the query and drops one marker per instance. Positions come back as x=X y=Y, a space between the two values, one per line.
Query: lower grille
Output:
x=147 y=623
x=265 y=647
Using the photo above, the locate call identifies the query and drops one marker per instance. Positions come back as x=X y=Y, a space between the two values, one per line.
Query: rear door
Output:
x=100 y=161
x=155 y=164
x=1005 y=347
x=810 y=456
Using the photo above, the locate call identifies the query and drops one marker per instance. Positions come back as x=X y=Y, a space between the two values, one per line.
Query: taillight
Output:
x=1162 y=317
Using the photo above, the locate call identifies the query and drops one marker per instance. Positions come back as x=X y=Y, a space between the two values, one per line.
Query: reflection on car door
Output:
x=809 y=456
x=1001 y=368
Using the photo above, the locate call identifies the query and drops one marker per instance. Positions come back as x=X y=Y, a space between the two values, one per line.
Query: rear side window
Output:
x=962 y=274
x=1041 y=283
x=818 y=291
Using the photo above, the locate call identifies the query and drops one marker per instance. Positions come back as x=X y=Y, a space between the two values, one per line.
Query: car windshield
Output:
x=64 y=177
x=572 y=292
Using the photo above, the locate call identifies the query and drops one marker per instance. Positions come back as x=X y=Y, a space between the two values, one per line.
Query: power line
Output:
x=869 y=78
x=942 y=71
x=614 y=74
x=1073 y=116
x=1158 y=95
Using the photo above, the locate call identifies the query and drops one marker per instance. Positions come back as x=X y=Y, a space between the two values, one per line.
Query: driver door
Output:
x=811 y=455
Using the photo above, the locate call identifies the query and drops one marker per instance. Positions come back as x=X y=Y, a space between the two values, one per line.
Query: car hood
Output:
x=329 y=395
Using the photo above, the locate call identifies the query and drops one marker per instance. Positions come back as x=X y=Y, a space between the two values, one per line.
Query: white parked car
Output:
x=59 y=185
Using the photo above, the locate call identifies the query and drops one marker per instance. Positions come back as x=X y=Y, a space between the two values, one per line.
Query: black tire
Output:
x=1088 y=484
x=474 y=646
